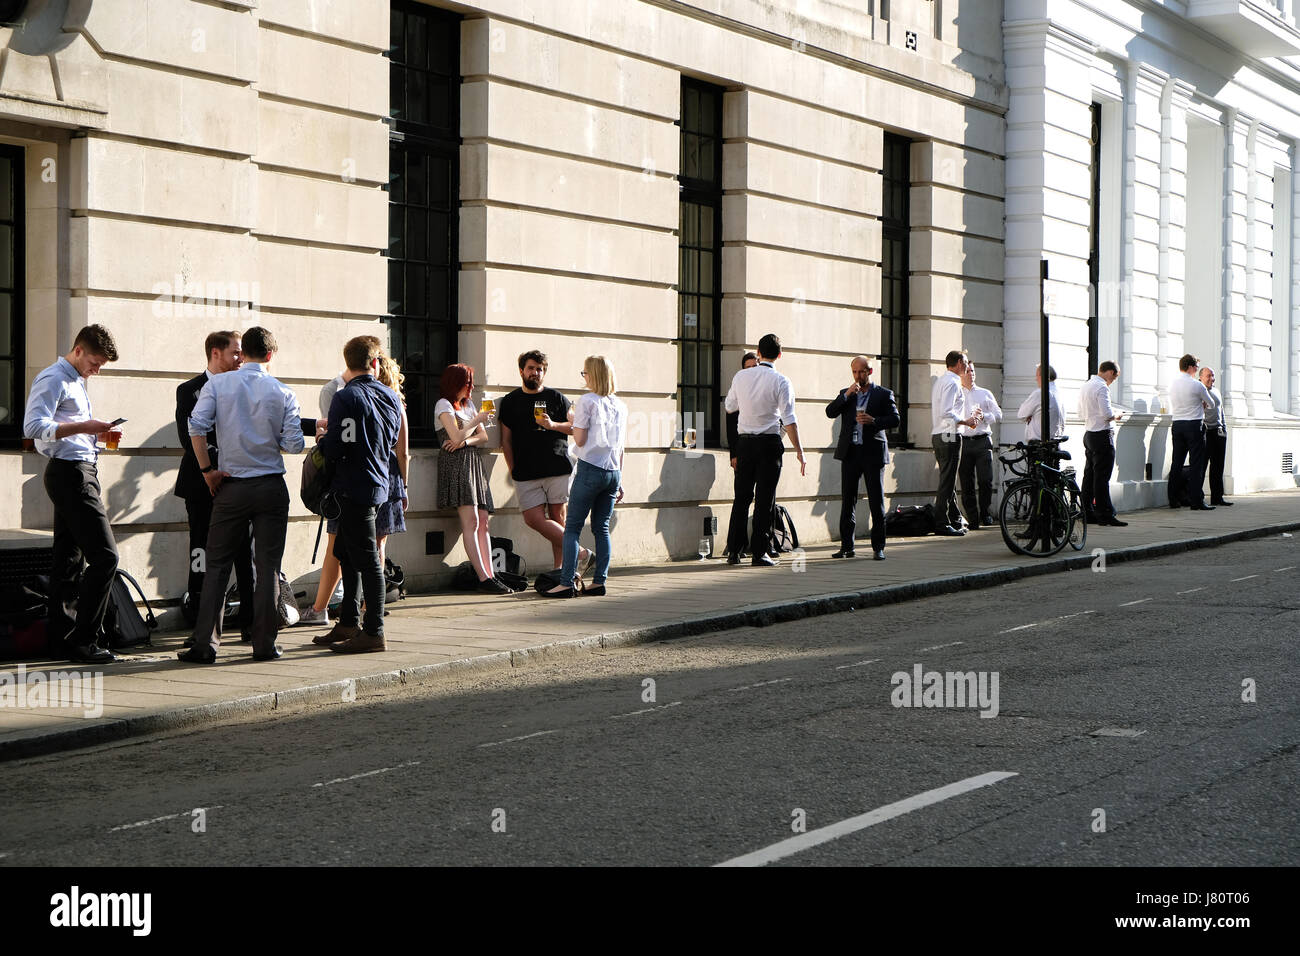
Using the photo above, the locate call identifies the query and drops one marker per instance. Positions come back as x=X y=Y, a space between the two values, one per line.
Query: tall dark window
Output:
x=699 y=280
x=1094 y=243
x=13 y=359
x=424 y=143
x=895 y=228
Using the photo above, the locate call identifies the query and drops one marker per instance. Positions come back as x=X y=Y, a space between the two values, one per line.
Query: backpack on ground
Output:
x=505 y=559
x=24 y=614
x=909 y=521
x=123 y=625
x=784 y=535
x=394 y=581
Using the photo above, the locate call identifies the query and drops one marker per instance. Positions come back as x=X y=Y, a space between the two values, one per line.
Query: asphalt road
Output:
x=752 y=730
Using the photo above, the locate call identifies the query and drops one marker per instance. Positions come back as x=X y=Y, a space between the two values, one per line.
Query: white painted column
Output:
x=1173 y=229
x=1292 y=338
x=1229 y=343
x=1139 y=307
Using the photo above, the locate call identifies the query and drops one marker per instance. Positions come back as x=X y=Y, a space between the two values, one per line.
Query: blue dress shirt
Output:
x=58 y=397
x=256 y=416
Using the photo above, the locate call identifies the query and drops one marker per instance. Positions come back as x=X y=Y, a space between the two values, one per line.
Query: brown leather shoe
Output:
x=339 y=632
x=360 y=643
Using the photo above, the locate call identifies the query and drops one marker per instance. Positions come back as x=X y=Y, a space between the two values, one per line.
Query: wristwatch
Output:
x=204 y=471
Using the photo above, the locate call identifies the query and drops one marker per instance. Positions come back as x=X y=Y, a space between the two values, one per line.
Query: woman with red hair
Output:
x=462 y=481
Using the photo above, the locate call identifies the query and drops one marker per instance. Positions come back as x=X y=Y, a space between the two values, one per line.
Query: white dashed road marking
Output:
x=940 y=647
x=841 y=667
x=511 y=740
x=1131 y=603
x=170 y=816
x=1063 y=617
x=813 y=838
x=1190 y=591
x=1291 y=568
x=762 y=683
x=368 y=773
x=1246 y=578
x=648 y=710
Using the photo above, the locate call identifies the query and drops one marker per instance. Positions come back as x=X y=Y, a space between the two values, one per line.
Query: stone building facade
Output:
x=659 y=181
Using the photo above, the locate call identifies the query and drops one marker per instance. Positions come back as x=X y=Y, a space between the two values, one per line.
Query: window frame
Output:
x=11 y=433
x=895 y=226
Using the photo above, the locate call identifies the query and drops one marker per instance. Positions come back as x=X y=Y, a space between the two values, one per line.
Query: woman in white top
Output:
x=462 y=480
x=599 y=432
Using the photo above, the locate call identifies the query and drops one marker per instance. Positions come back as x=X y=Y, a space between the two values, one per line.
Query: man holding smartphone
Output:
x=59 y=420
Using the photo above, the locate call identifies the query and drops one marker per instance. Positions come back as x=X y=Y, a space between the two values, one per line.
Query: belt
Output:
x=760 y=435
x=275 y=474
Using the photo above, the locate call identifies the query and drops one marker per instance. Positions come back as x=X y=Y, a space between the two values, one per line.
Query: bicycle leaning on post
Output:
x=1042 y=508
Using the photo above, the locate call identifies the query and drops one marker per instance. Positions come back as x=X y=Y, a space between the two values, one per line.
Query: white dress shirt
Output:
x=982 y=399
x=1188 y=398
x=947 y=404
x=1094 y=405
x=1030 y=407
x=765 y=399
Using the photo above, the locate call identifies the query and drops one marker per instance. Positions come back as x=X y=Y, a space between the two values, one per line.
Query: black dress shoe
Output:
x=595 y=590
x=844 y=553
x=879 y=555
x=274 y=654
x=1221 y=503
x=1200 y=507
x=733 y=558
x=988 y=520
x=947 y=531
x=90 y=654
x=566 y=593
x=764 y=561
x=196 y=656
x=1113 y=523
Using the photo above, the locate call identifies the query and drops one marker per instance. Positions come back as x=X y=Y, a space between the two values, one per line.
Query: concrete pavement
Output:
x=432 y=635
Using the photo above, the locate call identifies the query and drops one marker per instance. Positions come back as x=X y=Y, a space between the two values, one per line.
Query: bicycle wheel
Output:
x=1035 y=520
x=1078 y=515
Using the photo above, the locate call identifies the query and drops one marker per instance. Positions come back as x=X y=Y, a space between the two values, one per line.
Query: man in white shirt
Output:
x=765 y=400
x=1099 y=445
x=947 y=414
x=977 y=449
x=1188 y=401
x=1216 y=438
x=1031 y=406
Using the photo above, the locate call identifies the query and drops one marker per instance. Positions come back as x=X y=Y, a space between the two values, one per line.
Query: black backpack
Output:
x=784 y=535
x=123 y=625
x=394 y=581
x=909 y=521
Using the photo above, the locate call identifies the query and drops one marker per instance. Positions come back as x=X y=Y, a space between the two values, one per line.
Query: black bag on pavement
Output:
x=515 y=582
x=394 y=581
x=514 y=563
x=123 y=625
x=464 y=578
x=784 y=535
x=909 y=521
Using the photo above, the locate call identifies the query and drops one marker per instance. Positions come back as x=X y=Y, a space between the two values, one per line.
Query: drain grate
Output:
x=1288 y=463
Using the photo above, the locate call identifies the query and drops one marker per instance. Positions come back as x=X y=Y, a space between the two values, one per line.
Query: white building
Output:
x=1150 y=155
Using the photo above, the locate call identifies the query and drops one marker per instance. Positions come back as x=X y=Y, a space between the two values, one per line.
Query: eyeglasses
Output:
x=583 y=373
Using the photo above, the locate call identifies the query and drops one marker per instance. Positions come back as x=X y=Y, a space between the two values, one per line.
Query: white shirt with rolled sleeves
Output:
x=947 y=404
x=1029 y=408
x=605 y=419
x=765 y=399
x=1094 y=405
x=982 y=399
x=59 y=397
x=1188 y=398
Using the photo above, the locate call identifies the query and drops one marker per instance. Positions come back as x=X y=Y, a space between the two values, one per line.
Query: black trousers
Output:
x=264 y=501
x=1099 y=447
x=1189 y=445
x=1216 y=452
x=356 y=548
x=82 y=531
x=758 y=469
x=947 y=453
x=976 y=468
x=198 y=508
x=862 y=463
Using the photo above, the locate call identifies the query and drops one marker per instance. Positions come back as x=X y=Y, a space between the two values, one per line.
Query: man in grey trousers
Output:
x=257 y=419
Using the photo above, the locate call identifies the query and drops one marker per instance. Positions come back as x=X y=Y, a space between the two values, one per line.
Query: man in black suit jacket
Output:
x=223 y=350
x=866 y=412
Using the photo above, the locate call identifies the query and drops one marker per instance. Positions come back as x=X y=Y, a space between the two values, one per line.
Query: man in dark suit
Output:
x=223 y=351
x=866 y=412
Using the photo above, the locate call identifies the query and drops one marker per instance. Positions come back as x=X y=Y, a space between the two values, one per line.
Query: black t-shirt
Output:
x=538 y=453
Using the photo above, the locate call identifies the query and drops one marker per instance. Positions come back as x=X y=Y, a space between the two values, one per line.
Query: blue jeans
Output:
x=594 y=490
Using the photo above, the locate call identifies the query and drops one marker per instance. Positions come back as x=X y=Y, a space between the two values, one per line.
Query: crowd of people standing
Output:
x=236 y=422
